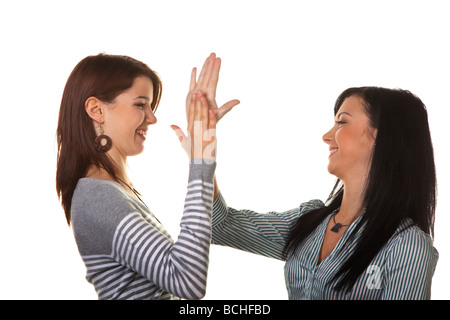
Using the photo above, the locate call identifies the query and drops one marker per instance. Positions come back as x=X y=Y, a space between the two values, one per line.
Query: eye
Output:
x=140 y=105
x=340 y=123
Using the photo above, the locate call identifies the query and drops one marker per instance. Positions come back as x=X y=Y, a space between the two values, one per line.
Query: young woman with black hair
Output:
x=372 y=239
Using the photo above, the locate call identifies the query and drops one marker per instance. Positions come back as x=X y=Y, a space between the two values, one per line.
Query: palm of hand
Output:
x=207 y=83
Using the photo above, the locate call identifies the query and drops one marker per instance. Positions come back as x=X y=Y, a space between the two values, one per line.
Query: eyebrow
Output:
x=343 y=112
x=142 y=97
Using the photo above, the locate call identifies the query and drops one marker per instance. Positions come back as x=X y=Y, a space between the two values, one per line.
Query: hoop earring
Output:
x=98 y=142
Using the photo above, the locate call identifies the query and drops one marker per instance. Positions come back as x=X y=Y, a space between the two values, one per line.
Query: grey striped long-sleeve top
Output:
x=402 y=269
x=129 y=255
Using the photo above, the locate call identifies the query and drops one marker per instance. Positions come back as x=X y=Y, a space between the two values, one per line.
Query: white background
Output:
x=286 y=61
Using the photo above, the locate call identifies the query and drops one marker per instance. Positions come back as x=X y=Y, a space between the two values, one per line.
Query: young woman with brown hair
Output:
x=107 y=107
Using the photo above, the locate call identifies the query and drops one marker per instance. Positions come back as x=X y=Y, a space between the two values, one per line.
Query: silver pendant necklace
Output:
x=337 y=226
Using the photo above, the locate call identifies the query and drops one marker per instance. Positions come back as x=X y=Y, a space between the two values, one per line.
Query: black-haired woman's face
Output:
x=350 y=141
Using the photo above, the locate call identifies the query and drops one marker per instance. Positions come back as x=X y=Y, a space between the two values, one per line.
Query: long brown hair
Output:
x=102 y=76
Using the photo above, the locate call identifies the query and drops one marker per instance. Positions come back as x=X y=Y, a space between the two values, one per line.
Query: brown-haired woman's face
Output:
x=127 y=118
x=350 y=140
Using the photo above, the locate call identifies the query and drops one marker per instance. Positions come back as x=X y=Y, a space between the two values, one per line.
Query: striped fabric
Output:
x=402 y=269
x=140 y=260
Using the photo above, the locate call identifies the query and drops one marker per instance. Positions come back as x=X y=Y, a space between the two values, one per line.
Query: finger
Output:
x=180 y=134
x=191 y=112
x=212 y=119
x=197 y=130
x=214 y=79
x=198 y=107
x=203 y=71
x=185 y=143
x=205 y=74
x=193 y=79
x=205 y=114
x=227 y=107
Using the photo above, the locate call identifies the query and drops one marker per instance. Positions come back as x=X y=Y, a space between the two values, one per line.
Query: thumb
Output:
x=184 y=141
x=179 y=133
x=223 y=110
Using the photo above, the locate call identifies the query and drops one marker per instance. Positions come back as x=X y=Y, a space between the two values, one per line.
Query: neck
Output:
x=121 y=165
x=101 y=173
x=352 y=201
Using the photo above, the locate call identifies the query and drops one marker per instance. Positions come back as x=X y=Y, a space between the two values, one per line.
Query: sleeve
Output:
x=410 y=267
x=181 y=267
x=264 y=234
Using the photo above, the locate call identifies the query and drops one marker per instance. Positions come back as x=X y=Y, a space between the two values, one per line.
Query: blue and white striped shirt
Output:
x=129 y=255
x=402 y=269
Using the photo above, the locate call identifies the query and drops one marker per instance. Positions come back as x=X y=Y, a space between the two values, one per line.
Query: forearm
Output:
x=191 y=251
x=177 y=267
x=262 y=234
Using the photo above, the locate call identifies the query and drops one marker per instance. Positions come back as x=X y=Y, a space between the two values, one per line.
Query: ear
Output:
x=94 y=108
x=374 y=134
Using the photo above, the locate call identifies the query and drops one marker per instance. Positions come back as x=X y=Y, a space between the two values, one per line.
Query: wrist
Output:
x=201 y=169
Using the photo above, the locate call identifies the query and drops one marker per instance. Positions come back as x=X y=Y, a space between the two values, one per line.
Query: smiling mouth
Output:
x=332 y=151
x=141 y=132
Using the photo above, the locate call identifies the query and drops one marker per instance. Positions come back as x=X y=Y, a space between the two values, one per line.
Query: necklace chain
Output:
x=132 y=189
x=337 y=226
x=137 y=195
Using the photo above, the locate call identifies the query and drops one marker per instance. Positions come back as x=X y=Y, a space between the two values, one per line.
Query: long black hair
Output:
x=401 y=182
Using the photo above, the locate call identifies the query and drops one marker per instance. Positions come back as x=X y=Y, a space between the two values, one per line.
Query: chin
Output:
x=135 y=152
x=332 y=170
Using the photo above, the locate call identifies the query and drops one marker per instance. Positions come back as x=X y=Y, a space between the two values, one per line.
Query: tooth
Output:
x=141 y=132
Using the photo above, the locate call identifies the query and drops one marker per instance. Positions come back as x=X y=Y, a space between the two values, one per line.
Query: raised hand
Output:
x=200 y=144
x=207 y=83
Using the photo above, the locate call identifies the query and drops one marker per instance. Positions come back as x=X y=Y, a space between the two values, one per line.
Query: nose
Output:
x=327 y=137
x=150 y=117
